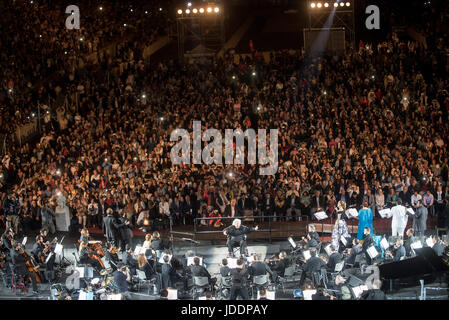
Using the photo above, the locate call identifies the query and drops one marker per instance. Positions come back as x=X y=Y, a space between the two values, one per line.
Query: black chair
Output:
x=261 y=281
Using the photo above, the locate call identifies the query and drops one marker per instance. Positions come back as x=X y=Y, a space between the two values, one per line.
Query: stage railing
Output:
x=227 y=221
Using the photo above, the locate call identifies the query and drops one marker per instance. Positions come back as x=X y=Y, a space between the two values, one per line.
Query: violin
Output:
x=48 y=246
x=94 y=256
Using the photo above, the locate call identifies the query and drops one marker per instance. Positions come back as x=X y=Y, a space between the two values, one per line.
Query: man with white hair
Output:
x=237 y=236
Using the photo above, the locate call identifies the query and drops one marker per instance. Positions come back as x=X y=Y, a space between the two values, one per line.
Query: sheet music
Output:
x=292 y=242
x=202 y=298
x=190 y=261
x=385 y=213
x=359 y=290
x=328 y=249
x=137 y=250
x=416 y=245
x=306 y=254
x=372 y=252
x=172 y=294
x=384 y=244
x=308 y=294
x=81 y=271
x=271 y=295
x=321 y=215
x=250 y=259
x=24 y=241
x=352 y=212
x=58 y=248
x=232 y=263
x=161 y=260
x=344 y=241
x=410 y=210
x=429 y=242
x=114 y=296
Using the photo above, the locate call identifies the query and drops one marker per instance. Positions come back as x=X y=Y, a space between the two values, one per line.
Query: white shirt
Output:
x=399 y=215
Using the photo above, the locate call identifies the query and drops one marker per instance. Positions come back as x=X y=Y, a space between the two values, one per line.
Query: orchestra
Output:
x=312 y=258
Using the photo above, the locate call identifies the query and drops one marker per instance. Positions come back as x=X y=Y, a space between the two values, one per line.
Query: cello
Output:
x=31 y=265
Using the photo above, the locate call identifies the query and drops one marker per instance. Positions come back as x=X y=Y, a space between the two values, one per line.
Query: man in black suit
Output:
x=236 y=234
x=314 y=264
x=367 y=242
x=232 y=210
x=225 y=271
x=409 y=241
x=355 y=250
x=293 y=206
x=198 y=270
x=109 y=229
x=313 y=238
x=374 y=294
x=124 y=229
x=259 y=268
x=334 y=259
x=239 y=277
x=129 y=261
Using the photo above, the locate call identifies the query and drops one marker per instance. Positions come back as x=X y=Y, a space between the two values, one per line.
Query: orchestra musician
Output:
x=19 y=263
x=259 y=268
x=84 y=253
x=398 y=252
x=112 y=256
x=334 y=258
x=198 y=270
x=409 y=241
x=438 y=245
x=225 y=271
x=354 y=251
x=367 y=243
x=314 y=264
x=236 y=234
x=129 y=261
x=280 y=265
x=38 y=247
x=312 y=239
x=121 y=279
x=7 y=239
x=239 y=281
x=145 y=266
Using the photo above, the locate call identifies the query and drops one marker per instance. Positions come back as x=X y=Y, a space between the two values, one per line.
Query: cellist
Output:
x=19 y=263
x=84 y=253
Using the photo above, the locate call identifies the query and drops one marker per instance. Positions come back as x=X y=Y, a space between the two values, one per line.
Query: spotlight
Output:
x=189 y=4
x=195 y=10
x=146 y=12
x=187 y=11
x=144 y=96
x=233 y=77
x=101 y=8
x=348 y=4
x=324 y=92
x=217 y=9
x=254 y=73
x=335 y=4
x=124 y=24
x=58 y=172
x=326 y=4
x=258 y=108
x=33 y=114
x=131 y=10
x=312 y=4
x=40 y=36
x=318 y=4
x=162 y=118
x=201 y=10
x=341 y=4
x=209 y=10
x=179 y=11
x=160 y=9
x=81 y=39
x=9 y=90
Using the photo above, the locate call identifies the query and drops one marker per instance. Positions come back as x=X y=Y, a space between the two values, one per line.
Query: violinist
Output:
x=112 y=256
x=85 y=236
x=85 y=258
x=314 y=264
x=398 y=252
x=312 y=239
x=259 y=268
x=280 y=265
x=38 y=247
x=334 y=258
x=19 y=264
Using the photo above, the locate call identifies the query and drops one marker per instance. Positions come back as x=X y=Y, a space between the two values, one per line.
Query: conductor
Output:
x=237 y=236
